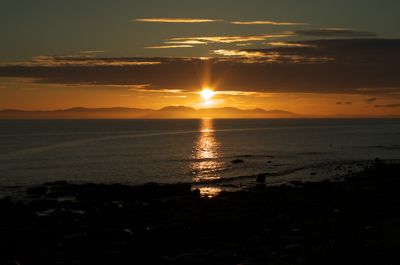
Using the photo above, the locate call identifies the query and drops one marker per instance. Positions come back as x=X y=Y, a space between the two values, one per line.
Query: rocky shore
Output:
x=356 y=221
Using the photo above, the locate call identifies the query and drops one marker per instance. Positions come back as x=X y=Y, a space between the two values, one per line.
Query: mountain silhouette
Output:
x=170 y=112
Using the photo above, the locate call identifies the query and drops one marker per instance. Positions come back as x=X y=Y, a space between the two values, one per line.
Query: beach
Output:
x=353 y=221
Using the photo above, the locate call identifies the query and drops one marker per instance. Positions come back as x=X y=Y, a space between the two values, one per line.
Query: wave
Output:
x=288 y=171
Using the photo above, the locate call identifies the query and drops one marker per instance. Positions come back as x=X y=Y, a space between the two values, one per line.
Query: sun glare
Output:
x=207 y=93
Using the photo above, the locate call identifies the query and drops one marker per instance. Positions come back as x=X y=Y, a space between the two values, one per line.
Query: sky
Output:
x=308 y=57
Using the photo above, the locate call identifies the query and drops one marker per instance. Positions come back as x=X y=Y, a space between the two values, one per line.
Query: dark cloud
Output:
x=362 y=66
x=345 y=103
x=334 y=32
x=388 y=106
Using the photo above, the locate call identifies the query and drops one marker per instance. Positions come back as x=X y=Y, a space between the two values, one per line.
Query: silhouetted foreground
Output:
x=352 y=222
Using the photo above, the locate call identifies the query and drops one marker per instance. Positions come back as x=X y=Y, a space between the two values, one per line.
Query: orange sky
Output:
x=25 y=95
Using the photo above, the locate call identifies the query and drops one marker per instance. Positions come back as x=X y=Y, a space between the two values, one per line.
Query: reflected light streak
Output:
x=209 y=192
x=206 y=165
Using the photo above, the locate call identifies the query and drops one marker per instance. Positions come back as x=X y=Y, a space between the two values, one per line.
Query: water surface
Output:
x=169 y=151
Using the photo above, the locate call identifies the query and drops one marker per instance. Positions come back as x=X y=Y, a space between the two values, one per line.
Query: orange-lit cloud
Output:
x=242 y=93
x=388 y=106
x=268 y=22
x=91 y=52
x=244 y=44
x=85 y=61
x=169 y=47
x=239 y=53
x=189 y=42
x=288 y=44
x=149 y=90
x=176 y=20
x=254 y=56
x=233 y=39
x=371 y=100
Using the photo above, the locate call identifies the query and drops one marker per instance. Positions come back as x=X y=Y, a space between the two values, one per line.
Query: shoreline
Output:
x=314 y=172
x=354 y=221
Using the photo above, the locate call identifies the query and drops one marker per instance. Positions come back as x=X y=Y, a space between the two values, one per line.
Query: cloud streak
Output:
x=186 y=42
x=288 y=44
x=176 y=20
x=91 y=52
x=268 y=22
x=84 y=61
x=239 y=53
x=334 y=32
x=230 y=39
x=388 y=106
x=169 y=47
x=371 y=100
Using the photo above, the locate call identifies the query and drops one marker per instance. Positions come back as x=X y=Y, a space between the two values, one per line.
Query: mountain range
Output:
x=170 y=112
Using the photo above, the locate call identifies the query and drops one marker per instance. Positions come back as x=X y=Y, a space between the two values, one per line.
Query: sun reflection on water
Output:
x=209 y=192
x=206 y=153
x=206 y=163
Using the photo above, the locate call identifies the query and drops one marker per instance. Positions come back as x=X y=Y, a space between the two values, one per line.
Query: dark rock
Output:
x=355 y=221
x=378 y=162
x=297 y=183
x=11 y=262
x=189 y=259
x=260 y=178
x=57 y=183
x=38 y=191
x=237 y=161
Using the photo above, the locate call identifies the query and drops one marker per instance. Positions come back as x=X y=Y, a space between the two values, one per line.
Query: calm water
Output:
x=140 y=151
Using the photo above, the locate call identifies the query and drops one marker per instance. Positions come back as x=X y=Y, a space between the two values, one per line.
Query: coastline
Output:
x=354 y=221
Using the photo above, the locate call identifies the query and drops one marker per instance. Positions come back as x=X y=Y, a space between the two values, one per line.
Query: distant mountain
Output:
x=229 y=112
x=170 y=112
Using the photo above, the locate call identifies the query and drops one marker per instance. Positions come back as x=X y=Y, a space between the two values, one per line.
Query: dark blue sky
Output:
x=46 y=27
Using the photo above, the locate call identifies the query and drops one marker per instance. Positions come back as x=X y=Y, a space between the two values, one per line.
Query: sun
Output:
x=207 y=93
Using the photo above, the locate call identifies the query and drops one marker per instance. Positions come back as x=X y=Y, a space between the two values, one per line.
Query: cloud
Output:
x=344 y=103
x=388 y=106
x=169 y=47
x=91 y=52
x=232 y=39
x=370 y=100
x=139 y=86
x=172 y=91
x=176 y=20
x=244 y=40
x=361 y=52
x=288 y=44
x=189 y=42
x=85 y=61
x=268 y=22
x=334 y=32
x=250 y=56
x=272 y=55
x=352 y=66
x=240 y=93
x=244 y=44
x=239 y=53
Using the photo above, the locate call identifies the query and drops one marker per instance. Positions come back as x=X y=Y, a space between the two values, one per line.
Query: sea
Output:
x=210 y=153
